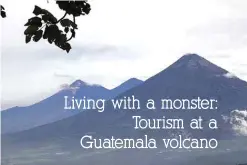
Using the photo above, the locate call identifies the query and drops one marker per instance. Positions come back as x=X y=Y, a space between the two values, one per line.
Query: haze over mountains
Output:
x=52 y=108
x=190 y=77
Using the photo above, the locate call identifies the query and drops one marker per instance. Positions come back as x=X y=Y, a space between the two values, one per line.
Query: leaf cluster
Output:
x=75 y=8
x=45 y=25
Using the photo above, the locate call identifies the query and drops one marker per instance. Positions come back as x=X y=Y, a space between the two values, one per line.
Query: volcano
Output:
x=191 y=76
x=52 y=108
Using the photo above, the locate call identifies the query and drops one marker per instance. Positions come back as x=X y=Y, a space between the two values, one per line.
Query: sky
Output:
x=118 y=40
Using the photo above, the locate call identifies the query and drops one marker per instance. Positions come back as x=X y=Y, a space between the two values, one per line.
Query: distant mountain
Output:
x=52 y=108
x=129 y=84
x=190 y=77
x=49 y=110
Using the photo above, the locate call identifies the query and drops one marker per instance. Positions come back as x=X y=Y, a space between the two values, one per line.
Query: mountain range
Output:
x=189 y=77
x=52 y=108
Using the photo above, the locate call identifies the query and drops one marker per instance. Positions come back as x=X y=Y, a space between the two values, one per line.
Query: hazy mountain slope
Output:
x=129 y=84
x=49 y=110
x=52 y=108
x=191 y=76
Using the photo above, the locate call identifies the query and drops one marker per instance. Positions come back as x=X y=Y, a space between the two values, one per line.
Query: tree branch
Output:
x=73 y=29
x=43 y=26
x=62 y=17
x=74 y=19
x=69 y=38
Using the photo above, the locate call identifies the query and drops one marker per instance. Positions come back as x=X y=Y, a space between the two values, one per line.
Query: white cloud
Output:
x=229 y=75
x=238 y=120
x=73 y=89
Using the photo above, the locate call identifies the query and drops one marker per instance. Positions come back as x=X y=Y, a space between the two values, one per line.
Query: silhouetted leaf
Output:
x=3 y=13
x=86 y=8
x=63 y=5
x=73 y=33
x=28 y=38
x=53 y=31
x=48 y=16
x=67 y=47
x=34 y=21
x=31 y=30
x=62 y=39
x=50 y=40
x=65 y=22
x=37 y=10
x=66 y=29
x=38 y=35
x=45 y=18
x=74 y=25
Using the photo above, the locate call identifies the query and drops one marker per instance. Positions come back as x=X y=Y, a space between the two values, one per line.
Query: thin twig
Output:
x=61 y=18
x=43 y=26
x=73 y=29
x=70 y=38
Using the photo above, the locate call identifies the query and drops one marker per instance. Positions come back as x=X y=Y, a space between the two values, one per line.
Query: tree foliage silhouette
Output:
x=56 y=31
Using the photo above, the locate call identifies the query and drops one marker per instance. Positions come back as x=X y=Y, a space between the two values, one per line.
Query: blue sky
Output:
x=120 y=39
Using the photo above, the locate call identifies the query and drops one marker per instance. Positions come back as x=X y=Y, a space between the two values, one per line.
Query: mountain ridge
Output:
x=172 y=82
x=51 y=108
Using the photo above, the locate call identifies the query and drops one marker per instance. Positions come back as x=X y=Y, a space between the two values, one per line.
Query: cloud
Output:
x=225 y=118
x=230 y=75
x=219 y=56
x=221 y=34
x=113 y=45
x=243 y=74
x=238 y=121
x=243 y=65
x=58 y=75
x=73 y=89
